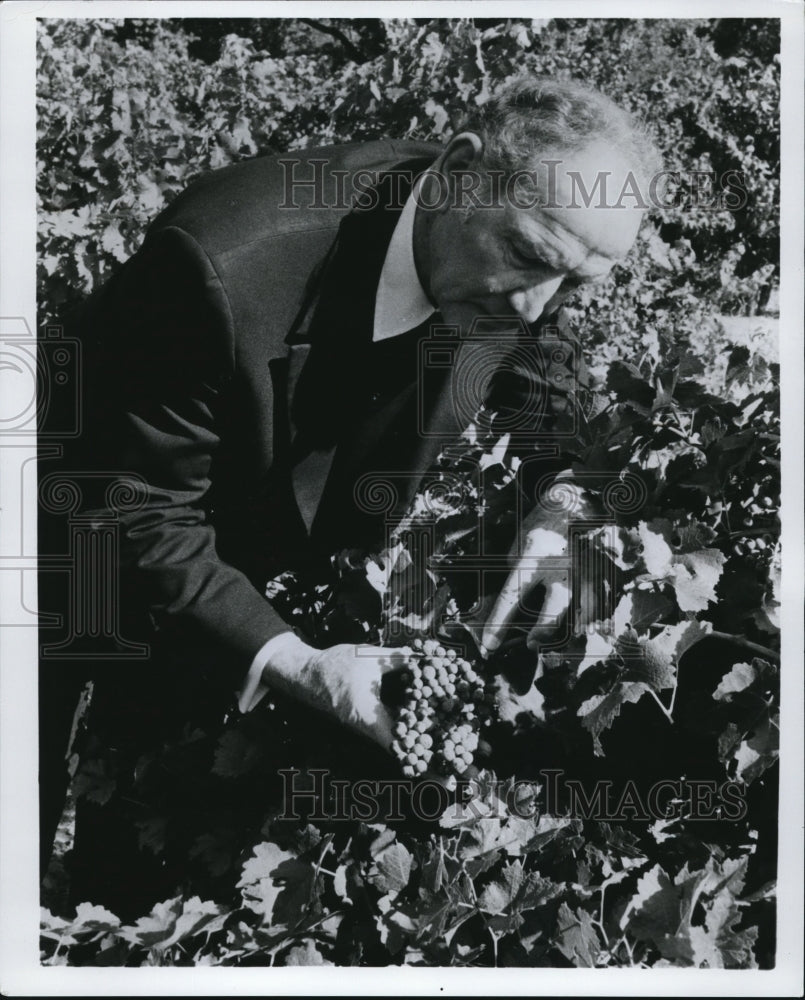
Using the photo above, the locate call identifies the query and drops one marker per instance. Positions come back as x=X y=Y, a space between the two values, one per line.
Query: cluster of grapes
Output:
x=446 y=703
x=759 y=528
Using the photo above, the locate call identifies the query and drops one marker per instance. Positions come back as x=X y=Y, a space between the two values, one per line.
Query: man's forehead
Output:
x=583 y=202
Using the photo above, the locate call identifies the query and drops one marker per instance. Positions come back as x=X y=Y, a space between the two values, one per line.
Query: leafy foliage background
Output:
x=680 y=340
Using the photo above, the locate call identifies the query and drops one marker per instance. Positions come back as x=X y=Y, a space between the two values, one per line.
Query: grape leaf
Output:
x=692 y=536
x=662 y=654
x=157 y=927
x=693 y=573
x=757 y=676
x=657 y=554
x=695 y=577
x=340 y=883
x=576 y=937
x=393 y=868
x=275 y=884
x=197 y=915
x=599 y=712
x=215 y=850
x=653 y=908
x=516 y=890
x=434 y=871
x=738 y=679
x=94 y=781
x=91 y=922
x=306 y=954
x=628 y=385
x=641 y=608
x=151 y=834
x=663 y=912
x=728 y=742
x=384 y=837
x=509 y=704
x=236 y=754
x=488 y=834
x=756 y=754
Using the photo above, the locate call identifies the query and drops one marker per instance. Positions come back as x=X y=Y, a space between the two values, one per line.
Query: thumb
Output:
x=390 y=659
x=382 y=732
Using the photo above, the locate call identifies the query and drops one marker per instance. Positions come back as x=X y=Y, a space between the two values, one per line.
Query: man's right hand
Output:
x=342 y=681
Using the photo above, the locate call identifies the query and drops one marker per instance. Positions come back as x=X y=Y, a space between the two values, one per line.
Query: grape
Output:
x=446 y=703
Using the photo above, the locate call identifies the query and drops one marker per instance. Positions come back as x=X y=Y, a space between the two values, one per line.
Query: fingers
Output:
x=555 y=606
x=513 y=605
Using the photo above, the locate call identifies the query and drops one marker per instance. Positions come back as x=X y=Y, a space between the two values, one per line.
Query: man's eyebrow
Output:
x=594 y=266
x=554 y=245
x=590 y=266
x=536 y=248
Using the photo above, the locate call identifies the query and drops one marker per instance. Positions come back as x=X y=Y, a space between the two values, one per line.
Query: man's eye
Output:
x=526 y=260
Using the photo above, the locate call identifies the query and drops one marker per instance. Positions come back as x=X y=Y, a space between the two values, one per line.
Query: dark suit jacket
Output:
x=197 y=346
x=234 y=374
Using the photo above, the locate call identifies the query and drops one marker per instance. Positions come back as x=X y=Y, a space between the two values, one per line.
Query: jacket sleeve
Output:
x=160 y=339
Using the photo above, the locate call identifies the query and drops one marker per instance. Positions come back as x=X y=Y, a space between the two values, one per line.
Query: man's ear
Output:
x=463 y=153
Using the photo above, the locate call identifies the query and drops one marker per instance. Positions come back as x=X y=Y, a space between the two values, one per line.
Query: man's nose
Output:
x=530 y=302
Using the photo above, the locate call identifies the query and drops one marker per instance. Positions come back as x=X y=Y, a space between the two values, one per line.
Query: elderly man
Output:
x=261 y=351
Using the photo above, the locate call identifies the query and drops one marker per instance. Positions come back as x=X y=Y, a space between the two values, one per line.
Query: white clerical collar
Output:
x=401 y=303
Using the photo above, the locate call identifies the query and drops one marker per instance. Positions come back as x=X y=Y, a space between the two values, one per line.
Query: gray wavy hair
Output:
x=531 y=116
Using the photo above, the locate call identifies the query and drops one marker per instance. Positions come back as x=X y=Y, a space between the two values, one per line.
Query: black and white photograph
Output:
x=402 y=497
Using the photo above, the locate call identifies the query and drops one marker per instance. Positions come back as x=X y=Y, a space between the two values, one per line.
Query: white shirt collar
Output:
x=401 y=303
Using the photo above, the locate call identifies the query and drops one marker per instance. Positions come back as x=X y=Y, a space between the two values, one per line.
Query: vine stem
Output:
x=663 y=709
x=741 y=640
x=494 y=945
